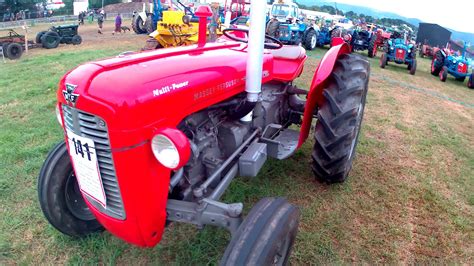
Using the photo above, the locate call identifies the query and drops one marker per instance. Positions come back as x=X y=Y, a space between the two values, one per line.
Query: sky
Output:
x=455 y=14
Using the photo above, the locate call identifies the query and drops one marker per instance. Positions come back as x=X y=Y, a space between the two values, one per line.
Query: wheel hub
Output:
x=74 y=200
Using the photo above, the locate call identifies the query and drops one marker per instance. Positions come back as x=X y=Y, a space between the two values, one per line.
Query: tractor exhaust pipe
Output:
x=256 y=40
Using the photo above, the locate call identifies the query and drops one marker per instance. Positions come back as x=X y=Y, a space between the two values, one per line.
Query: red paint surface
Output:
x=143 y=94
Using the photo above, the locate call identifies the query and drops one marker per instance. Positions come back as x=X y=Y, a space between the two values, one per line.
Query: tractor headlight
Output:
x=58 y=115
x=171 y=148
x=165 y=151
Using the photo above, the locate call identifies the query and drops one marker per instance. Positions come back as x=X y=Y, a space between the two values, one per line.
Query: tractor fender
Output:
x=315 y=95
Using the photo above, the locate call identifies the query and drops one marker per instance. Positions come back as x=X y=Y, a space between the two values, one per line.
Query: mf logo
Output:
x=69 y=94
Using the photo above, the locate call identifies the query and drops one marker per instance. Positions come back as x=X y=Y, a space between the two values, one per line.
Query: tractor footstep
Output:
x=281 y=143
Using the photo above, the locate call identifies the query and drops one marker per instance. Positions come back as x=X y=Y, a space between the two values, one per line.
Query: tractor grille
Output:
x=400 y=55
x=93 y=127
x=462 y=68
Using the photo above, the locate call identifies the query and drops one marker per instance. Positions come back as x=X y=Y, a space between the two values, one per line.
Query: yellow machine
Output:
x=175 y=29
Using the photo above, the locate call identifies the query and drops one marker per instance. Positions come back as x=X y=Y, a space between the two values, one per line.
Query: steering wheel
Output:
x=275 y=44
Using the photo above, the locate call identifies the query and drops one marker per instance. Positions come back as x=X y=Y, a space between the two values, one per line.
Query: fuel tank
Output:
x=159 y=88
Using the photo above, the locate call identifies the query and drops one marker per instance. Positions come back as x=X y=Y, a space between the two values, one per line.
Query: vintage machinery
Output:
x=67 y=34
x=400 y=51
x=378 y=39
x=286 y=25
x=427 y=51
x=148 y=143
x=13 y=44
x=445 y=63
x=361 y=40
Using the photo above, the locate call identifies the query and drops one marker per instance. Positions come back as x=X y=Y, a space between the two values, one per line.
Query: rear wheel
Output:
x=437 y=63
x=14 y=51
x=443 y=74
x=39 y=35
x=150 y=26
x=138 y=25
x=266 y=236
x=340 y=117
x=413 y=67
x=310 y=40
x=50 y=40
x=372 y=49
x=60 y=198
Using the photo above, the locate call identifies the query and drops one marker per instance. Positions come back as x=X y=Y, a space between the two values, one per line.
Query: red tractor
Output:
x=157 y=137
x=377 y=41
x=427 y=51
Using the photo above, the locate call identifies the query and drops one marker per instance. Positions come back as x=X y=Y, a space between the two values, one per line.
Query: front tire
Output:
x=14 y=51
x=413 y=67
x=340 y=117
x=437 y=63
x=310 y=40
x=266 y=236
x=443 y=75
x=138 y=25
x=59 y=196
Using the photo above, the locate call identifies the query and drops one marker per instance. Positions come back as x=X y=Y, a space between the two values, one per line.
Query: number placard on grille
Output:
x=84 y=160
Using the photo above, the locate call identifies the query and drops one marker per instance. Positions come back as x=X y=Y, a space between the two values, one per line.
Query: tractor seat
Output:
x=289 y=52
x=288 y=62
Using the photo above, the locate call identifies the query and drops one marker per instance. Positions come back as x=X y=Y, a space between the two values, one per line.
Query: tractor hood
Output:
x=158 y=88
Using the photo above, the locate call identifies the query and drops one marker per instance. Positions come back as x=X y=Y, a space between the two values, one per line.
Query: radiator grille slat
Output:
x=93 y=127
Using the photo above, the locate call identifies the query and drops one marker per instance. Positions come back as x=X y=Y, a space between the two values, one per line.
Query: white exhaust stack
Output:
x=253 y=85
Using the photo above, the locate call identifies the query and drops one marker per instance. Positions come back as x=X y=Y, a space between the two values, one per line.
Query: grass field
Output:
x=409 y=199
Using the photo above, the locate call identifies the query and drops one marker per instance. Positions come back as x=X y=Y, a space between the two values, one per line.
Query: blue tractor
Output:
x=445 y=63
x=401 y=52
x=285 y=25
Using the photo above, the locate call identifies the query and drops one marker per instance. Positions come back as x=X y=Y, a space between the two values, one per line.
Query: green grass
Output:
x=410 y=197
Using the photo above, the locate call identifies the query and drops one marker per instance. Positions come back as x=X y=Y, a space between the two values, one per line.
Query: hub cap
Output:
x=313 y=41
x=74 y=200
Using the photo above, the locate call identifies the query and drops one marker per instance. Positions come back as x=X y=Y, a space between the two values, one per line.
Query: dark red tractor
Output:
x=427 y=51
x=157 y=137
x=377 y=41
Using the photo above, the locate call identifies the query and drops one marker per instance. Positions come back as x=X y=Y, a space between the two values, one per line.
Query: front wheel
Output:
x=340 y=117
x=266 y=236
x=60 y=198
x=310 y=40
x=443 y=74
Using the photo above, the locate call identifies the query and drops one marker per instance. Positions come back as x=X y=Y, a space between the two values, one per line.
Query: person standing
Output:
x=100 y=21
x=214 y=22
x=118 y=24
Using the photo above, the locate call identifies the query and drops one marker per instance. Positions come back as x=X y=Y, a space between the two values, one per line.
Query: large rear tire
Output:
x=443 y=74
x=14 y=51
x=38 y=36
x=59 y=196
x=437 y=63
x=138 y=25
x=372 y=49
x=266 y=236
x=150 y=26
x=50 y=40
x=340 y=117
